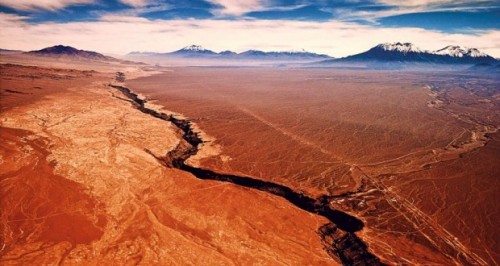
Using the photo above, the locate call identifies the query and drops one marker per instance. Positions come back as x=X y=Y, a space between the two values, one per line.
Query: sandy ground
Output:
x=414 y=157
x=412 y=154
x=77 y=186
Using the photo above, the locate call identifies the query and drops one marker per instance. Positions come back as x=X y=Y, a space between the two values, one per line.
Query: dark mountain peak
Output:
x=62 y=50
x=253 y=52
x=227 y=52
x=59 y=49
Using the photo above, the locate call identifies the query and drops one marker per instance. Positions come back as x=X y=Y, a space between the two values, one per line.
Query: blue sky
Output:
x=451 y=20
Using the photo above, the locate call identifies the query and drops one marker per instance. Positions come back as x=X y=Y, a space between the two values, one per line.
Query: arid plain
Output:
x=414 y=155
x=294 y=166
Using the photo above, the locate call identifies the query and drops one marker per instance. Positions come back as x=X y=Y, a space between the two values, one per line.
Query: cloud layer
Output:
x=135 y=3
x=122 y=34
x=27 y=5
x=334 y=27
x=237 y=7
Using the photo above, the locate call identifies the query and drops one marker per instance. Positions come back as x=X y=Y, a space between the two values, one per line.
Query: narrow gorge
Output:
x=338 y=236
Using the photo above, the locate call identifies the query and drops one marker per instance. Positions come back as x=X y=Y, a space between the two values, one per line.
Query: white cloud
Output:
x=41 y=4
x=11 y=19
x=135 y=3
x=414 y=3
x=122 y=34
x=405 y=7
x=123 y=18
x=238 y=7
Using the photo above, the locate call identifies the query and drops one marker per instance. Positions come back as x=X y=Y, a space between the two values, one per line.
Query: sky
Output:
x=334 y=27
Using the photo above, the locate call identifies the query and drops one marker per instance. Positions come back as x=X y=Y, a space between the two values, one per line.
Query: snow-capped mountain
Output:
x=193 y=50
x=389 y=52
x=458 y=51
x=407 y=52
x=400 y=47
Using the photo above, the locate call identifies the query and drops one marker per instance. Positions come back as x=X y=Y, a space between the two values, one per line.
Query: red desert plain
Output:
x=249 y=165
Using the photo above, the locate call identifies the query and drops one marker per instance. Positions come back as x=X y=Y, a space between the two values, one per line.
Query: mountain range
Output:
x=198 y=52
x=409 y=53
x=386 y=55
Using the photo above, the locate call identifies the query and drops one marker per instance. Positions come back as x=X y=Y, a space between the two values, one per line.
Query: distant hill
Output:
x=228 y=53
x=7 y=51
x=198 y=52
x=409 y=53
x=486 y=68
x=287 y=55
x=68 y=51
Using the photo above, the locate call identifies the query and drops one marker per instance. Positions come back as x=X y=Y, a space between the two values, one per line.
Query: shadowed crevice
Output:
x=338 y=236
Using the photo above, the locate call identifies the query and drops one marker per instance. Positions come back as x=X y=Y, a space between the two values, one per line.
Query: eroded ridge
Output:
x=338 y=236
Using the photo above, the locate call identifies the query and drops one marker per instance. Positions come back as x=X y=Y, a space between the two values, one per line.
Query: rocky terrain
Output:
x=202 y=166
x=80 y=182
